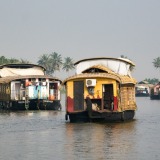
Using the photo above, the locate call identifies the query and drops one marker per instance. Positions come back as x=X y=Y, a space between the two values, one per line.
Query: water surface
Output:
x=39 y=135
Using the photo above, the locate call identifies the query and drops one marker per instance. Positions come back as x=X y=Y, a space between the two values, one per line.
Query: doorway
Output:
x=78 y=95
x=108 y=96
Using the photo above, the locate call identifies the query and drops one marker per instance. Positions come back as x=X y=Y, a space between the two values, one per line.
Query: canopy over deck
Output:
x=120 y=66
x=21 y=70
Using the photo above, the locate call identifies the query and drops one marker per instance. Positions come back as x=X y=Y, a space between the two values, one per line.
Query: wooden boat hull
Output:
x=47 y=105
x=32 y=105
x=155 y=92
x=155 y=97
x=142 y=95
x=100 y=116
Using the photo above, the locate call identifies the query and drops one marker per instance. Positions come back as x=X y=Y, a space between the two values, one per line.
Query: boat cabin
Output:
x=25 y=86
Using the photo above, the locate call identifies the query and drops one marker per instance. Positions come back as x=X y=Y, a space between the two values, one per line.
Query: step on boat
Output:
x=26 y=87
x=101 y=90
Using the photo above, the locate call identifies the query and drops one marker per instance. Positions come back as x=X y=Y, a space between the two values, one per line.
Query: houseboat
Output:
x=102 y=89
x=155 y=92
x=25 y=86
x=143 y=89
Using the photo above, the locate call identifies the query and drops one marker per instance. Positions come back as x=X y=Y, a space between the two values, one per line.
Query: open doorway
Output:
x=108 y=96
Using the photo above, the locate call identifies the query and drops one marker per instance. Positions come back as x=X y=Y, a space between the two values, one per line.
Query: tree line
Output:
x=53 y=62
x=156 y=64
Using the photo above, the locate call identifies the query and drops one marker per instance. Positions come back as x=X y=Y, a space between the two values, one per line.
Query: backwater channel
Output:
x=39 y=135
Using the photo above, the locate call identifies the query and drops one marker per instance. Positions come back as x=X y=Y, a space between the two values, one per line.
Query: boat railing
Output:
x=20 y=94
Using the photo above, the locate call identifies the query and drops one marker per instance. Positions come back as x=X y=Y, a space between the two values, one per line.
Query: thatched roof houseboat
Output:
x=101 y=90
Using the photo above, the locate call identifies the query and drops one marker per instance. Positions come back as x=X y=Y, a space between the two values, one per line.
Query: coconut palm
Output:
x=152 y=81
x=68 y=64
x=13 y=60
x=23 y=61
x=156 y=63
x=56 y=61
x=45 y=61
x=3 y=60
x=122 y=56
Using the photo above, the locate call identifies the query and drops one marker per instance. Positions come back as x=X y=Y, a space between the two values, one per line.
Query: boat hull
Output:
x=32 y=105
x=142 y=95
x=155 y=97
x=100 y=116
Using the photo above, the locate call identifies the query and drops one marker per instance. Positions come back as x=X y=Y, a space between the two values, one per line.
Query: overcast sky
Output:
x=83 y=29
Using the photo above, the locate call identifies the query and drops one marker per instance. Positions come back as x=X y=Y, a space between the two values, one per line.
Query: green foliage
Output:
x=152 y=81
x=122 y=56
x=56 y=61
x=156 y=62
x=62 y=90
x=53 y=62
x=68 y=64
x=4 y=60
x=45 y=61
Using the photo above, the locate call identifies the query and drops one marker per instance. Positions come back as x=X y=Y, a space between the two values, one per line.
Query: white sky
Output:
x=83 y=29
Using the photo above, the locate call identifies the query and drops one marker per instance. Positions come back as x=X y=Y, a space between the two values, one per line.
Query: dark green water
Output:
x=45 y=135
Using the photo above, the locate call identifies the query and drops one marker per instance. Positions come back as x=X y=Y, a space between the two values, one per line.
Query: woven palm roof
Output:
x=107 y=73
x=101 y=67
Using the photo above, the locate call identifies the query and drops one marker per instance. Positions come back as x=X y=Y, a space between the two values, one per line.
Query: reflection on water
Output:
x=102 y=141
x=43 y=135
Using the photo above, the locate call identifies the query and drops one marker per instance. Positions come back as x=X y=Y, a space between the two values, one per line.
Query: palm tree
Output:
x=13 y=60
x=156 y=63
x=152 y=81
x=68 y=64
x=3 y=60
x=56 y=61
x=45 y=61
x=122 y=56
x=23 y=61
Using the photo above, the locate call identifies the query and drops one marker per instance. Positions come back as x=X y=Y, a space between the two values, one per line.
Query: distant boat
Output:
x=101 y=90
x=155 y=92
x=143 y=89
x=25 y=86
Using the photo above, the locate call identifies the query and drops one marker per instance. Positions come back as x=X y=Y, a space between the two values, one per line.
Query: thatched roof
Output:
x=100 y=68
x=121 y=79
x=104 y=72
